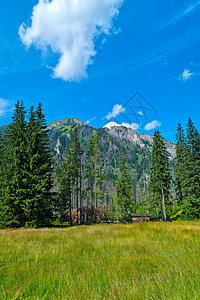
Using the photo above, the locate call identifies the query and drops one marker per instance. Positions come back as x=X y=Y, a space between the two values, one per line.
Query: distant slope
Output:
x=137 y=147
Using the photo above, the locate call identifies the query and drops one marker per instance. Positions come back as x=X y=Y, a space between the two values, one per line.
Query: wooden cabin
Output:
x=137 y=218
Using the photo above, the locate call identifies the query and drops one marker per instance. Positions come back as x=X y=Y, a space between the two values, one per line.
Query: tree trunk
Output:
x=77 y=201
x=95 y=202
x=70 y=209
x=87 y=207
x=163 y=205
x=135 y=197
x=91 y=210
x=80 y=195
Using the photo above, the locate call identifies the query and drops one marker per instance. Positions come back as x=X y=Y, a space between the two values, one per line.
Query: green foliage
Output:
x=93 y=166
x=69 y=177
x=187 y=165
x=124 y=191
x=160 y=175
x=26 y=171
x=180 y=161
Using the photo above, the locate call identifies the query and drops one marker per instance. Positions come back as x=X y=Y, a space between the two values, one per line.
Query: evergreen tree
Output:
x=192 y=170
x=1 y=161
x=26 y=171
x=76 y=154
x=64 y=202
x=124 y=191
x=180 y=163
x=160 y=174
x=94 y=169
x=38 y=206
x=14 y=183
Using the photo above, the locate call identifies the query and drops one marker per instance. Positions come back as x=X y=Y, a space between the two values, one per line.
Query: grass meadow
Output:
x=136 y=261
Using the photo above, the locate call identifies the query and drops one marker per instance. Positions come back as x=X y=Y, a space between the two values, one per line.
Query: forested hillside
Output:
x=137 y=147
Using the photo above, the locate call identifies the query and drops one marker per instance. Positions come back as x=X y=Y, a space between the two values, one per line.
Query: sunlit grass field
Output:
x=137 y=261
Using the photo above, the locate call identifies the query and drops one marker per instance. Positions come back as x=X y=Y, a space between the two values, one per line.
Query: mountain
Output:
x=138 y=139
x=112 y=139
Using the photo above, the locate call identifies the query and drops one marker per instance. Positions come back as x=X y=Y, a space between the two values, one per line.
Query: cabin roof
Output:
x=138 y=215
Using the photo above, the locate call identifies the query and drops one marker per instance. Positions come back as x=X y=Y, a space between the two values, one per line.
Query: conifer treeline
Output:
x=81 y=194
x=26 y=171
x=187 y=170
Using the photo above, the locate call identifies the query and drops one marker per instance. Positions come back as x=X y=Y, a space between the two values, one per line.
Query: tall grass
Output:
x=139 y=261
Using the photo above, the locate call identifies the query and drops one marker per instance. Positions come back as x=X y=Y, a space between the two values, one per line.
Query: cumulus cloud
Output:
x=186 y=75
x=4 y=107
x=152 y=125
x=117 y=109
x=70 y=28
x=133 y=126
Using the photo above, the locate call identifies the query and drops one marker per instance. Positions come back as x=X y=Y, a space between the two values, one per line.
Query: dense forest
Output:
x=69 y=173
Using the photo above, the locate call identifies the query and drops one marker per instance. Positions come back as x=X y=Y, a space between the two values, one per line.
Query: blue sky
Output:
x=87 y=61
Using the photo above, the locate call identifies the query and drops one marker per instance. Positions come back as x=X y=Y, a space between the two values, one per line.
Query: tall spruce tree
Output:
x=180 y=163
x=192 y=171
x=124 y=191
x=40 y=170
x=160 y=174
x=26 y=171
x=14 y=164
x=64 y=201
x=94 y=170
x=76 y=154
x=1 y=161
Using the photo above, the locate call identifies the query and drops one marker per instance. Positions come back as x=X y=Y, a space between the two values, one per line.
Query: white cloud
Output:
x=152 y=125
x=117 y=109
x=70 y=28
x=133 y=126
x=186 y=75
x=4 y=107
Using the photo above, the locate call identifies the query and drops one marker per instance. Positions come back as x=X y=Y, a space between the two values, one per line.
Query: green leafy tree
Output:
x=160 y=175
x=124 y=191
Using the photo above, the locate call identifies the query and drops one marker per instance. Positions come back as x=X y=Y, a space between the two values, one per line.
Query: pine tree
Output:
x=160 y=174
x=124 y=191
x=2 y=145
x=40 y=169
x=94 y=170
x=192 y=170
x=76 y=154
x=64 y=202
x=180 y=163
x=14 y=183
